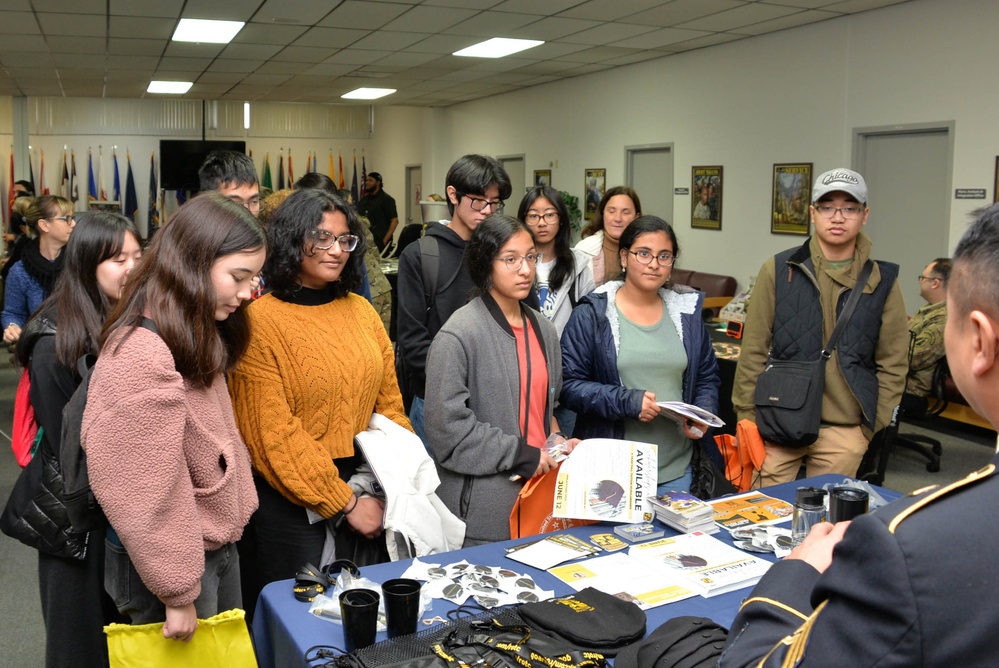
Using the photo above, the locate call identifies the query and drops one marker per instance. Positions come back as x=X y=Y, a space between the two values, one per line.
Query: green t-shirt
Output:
x=653 y=359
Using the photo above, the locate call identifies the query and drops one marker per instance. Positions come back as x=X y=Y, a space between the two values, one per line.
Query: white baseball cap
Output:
x=840 y=180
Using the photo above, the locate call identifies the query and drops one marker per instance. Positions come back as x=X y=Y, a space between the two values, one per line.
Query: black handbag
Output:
x=707 y=480
x=788 y=393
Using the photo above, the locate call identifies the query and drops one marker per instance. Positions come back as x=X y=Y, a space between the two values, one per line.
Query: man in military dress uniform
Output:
x=913 y=583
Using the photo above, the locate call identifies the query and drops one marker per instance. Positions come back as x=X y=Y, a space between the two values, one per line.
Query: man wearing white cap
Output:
x=798 y=295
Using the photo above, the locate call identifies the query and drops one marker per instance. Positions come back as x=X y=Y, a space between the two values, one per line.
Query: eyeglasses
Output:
x=827 y=211
x=665 y=259
x=928 y=278
x=533 y=218
x=479 y=204
x=66 y=219
x=515 y=262
x=323 y=240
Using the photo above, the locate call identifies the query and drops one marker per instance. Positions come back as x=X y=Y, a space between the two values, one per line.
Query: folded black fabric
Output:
x=682 y=642
x=591 y=620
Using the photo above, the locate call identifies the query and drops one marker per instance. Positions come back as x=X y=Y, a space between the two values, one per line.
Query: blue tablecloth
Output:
x=283 y=629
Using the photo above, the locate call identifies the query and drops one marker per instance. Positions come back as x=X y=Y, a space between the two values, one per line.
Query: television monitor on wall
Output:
x=181 y=158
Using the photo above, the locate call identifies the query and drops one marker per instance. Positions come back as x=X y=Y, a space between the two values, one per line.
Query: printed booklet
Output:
x=706 y=564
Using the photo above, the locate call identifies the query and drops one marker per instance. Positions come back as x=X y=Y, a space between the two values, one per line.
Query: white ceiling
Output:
x=316 y=50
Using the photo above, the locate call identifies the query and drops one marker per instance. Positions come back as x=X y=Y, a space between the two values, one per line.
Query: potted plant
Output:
x=575 y=214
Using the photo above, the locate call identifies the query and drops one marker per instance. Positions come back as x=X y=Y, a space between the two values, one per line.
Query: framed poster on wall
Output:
x=542 y=177
x=706 y=197
x=594 y=185
x=792 y=194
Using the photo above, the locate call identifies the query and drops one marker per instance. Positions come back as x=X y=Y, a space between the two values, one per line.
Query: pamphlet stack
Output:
x=684 y=512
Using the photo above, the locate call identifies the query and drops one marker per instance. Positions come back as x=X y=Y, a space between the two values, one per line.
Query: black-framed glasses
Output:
x=479 y=204
x=515 y=262
x=66 y=219
x=533 y=218
x=928 y=278
x=323 y=240
x=643 y=256
x=827 y=211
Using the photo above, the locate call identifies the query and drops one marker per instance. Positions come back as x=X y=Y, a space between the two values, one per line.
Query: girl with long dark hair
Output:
x=98 y=259
x=165 y=458
x=564 y=276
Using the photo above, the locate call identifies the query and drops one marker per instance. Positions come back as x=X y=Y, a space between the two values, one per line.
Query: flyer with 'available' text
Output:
x=609 y=480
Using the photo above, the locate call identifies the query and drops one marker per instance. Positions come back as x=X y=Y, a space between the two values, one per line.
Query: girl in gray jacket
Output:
x=494 y=374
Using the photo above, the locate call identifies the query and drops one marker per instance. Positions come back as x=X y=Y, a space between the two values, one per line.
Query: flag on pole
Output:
x=117 y=183
x=364 y=172
x=31 y=173
x=291 y=174
x=64 y=188
x=102 y=191
x=281 y=170
x=315 y=157
x=266 y=181
x=92 y=180
x=10 y=193
x=43 y=189
x=341 y=183
x=332 y=168
x=153 y=215
x=353 y=183
x=74 y=186
x=131 y=207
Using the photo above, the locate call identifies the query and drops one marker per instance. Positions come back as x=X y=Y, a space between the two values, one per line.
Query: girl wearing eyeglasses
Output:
x=564 y=276
x=31 y=279
x=318 y=365
x=493 y=376
x=636 y=341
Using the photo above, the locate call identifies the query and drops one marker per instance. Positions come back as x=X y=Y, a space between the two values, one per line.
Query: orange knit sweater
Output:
x=308 y=383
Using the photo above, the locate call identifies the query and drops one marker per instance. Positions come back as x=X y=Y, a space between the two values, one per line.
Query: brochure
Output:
x=629 y=579
x=679 y=411
x=750 y=509
x=707 y=565
x=608 y=480
x=551 y=551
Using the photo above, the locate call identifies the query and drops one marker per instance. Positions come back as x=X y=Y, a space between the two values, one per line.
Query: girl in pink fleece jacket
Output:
x=165 y=458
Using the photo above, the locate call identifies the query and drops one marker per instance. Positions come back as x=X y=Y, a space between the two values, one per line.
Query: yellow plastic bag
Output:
x=221 y=641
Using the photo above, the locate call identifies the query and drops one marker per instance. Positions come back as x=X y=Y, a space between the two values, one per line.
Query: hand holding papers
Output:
x=680 y=412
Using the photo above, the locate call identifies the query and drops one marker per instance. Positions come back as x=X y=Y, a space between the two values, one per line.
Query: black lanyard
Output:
x=527 y=355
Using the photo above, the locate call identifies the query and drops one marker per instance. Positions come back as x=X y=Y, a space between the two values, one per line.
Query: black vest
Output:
x=797 y=330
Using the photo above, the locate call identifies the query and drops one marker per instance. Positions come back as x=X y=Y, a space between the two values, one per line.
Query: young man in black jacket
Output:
x=476 y=187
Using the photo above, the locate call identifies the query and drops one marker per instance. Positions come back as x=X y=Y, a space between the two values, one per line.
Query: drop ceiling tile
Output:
x=681 y=11
x=546 y=8
x=388 y=40
x=137 y=27
x=791 y=21
x=330 y=37
x=232 y=65
x=18 y=23
x=491 y=24
x=407 y=59
x=72 y=24
x=160 y=8
x=365 y=15
x=23 y=43
x=608 y=33
x=265 y=33
x=15 y=59
x=137 y=47
x=74 y=61
x=609 y=10
x=430 y=19
x=444 y=44
x=235 y=10
x=132 y=62
x=250 y=51
x=661 y=38
x=852 y=6
x=733 y=19
x=81 y=45
x=79 y=6
x=303 y=54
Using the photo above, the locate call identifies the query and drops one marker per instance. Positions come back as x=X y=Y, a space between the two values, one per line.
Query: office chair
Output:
x=921 y=408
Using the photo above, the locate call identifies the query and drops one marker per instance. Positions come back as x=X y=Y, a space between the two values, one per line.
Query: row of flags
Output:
x=69 y=186
x=267 y=181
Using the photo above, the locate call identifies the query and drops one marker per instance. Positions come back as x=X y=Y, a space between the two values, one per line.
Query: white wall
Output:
x=793 y=96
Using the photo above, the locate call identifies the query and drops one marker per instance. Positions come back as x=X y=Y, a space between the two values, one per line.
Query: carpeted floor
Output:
x=21 y=632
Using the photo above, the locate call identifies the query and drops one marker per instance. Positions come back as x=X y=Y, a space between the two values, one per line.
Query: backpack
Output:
x=84 y=512
x=26 y=433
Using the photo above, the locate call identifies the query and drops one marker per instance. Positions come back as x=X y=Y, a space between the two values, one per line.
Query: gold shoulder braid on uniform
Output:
x=799 y=639
x=776 y=604
x=930 y=498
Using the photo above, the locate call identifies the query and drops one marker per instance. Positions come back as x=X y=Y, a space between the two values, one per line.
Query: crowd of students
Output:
x=221 y=417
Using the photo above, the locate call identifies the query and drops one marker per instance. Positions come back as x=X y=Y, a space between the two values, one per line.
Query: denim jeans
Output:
x=681 y=484
x=416 y=419
x=219 y=585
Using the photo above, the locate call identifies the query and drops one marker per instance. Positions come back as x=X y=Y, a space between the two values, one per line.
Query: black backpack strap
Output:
x=430 y=262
